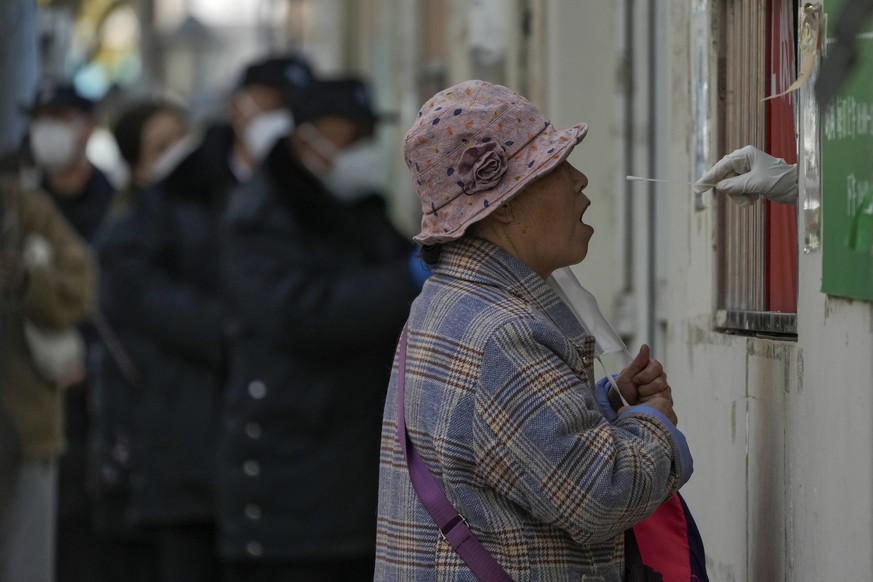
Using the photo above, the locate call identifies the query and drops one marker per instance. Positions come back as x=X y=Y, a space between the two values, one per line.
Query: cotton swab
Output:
x=641 y=179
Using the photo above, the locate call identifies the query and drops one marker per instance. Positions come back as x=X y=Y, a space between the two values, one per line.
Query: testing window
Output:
x=757 y=245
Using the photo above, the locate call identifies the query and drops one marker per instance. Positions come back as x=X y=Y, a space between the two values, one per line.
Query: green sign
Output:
x=847 y=173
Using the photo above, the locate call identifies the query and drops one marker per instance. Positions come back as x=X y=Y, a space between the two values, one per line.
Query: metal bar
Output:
x=770 y=322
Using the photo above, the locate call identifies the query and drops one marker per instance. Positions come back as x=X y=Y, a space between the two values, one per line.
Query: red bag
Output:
x=670 y=543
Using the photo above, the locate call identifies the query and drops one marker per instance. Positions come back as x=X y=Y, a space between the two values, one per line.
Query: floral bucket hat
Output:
x=475 y=146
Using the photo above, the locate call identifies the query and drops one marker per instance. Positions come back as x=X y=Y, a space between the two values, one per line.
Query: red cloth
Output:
x=781 y=218
x=663 y=541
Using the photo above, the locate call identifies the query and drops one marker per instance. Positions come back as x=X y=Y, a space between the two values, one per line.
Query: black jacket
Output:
x=318 y=294
x=86 y=212
x=160 y=293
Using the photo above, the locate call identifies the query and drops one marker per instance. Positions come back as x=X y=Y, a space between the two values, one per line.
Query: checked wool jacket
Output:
x=500 y=404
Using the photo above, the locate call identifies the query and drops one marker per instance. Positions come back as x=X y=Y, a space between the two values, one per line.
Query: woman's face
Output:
x=159 y=134
x=547 y=217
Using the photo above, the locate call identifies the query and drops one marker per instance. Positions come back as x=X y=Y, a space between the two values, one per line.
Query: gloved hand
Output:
x=418 y=269
x=746 y=173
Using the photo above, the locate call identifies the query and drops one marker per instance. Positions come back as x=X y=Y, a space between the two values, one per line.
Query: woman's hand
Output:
x=660 y=404
x=644 y=379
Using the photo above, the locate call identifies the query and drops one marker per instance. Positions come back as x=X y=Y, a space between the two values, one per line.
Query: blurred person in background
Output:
x=61 y=123
x=317 y=295
x=335 y=141
x=258 y=115
x=47 y=286
x=153 y=136
x=160 y=293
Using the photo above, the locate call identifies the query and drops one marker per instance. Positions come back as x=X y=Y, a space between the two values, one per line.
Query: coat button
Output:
x=253 y=511
x=253 y=430
x=251 y=468
x=254 y=549
x=586 y=360
x=257 y=389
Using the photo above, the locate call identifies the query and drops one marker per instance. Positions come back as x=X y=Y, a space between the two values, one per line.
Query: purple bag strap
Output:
x=452 y=525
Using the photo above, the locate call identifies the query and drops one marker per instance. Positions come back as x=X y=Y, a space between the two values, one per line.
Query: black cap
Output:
x=282 y=73
x=346 y=98
x=58 y=96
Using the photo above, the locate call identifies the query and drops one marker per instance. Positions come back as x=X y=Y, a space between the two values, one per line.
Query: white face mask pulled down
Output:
x=53 y=143
x=584 y=306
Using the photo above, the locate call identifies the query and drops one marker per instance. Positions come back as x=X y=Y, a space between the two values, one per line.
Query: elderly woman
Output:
x=498 y=386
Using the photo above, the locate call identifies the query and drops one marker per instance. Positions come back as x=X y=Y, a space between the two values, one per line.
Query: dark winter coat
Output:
x=160 y=294
x=318 y=295
x=86 y=212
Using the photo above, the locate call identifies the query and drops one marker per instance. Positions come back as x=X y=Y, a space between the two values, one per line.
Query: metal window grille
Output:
x=742 y=250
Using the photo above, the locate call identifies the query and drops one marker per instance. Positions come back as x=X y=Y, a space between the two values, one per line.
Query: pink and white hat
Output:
x=475 y=146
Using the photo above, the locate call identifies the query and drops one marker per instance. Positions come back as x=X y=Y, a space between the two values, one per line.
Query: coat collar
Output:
x=484 y=263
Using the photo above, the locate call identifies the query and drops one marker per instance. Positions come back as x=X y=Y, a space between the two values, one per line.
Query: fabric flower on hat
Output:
x=482 y=166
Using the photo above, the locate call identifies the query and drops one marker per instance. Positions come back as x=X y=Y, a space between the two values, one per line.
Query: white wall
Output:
x=781 y=431
x=582 y=66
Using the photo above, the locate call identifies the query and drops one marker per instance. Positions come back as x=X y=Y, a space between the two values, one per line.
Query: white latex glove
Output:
x=747 y=173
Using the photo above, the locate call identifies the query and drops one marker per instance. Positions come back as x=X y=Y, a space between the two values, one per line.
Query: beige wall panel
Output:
x=581 y=85
x=708 y=380
x=797 y=505
x=830 y=465
x=770 y=367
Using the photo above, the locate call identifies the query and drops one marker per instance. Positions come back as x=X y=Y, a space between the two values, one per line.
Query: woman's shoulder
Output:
x=461 y=309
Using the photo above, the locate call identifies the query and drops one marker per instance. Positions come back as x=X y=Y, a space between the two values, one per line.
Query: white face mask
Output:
x=264 y=128
x=350 y=173
x=54 y=143
x=584 y=306
x=357 y=171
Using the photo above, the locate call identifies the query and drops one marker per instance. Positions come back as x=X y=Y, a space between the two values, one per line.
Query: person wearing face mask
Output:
x=258 y=113
x=317 y=290
x=48 y=282
x=61 y=124
x=160 y=292
x=335 y=142
x=153 y=137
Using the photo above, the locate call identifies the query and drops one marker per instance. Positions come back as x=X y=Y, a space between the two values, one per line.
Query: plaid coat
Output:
x=500 y=404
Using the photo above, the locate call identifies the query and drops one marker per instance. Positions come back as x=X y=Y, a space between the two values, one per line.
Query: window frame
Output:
x=752 y=273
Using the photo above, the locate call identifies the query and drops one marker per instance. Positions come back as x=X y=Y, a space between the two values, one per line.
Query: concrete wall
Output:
x=582 y=65
x=781 y=431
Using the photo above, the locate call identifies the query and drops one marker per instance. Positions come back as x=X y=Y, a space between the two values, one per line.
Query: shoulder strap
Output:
x=452 y=525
